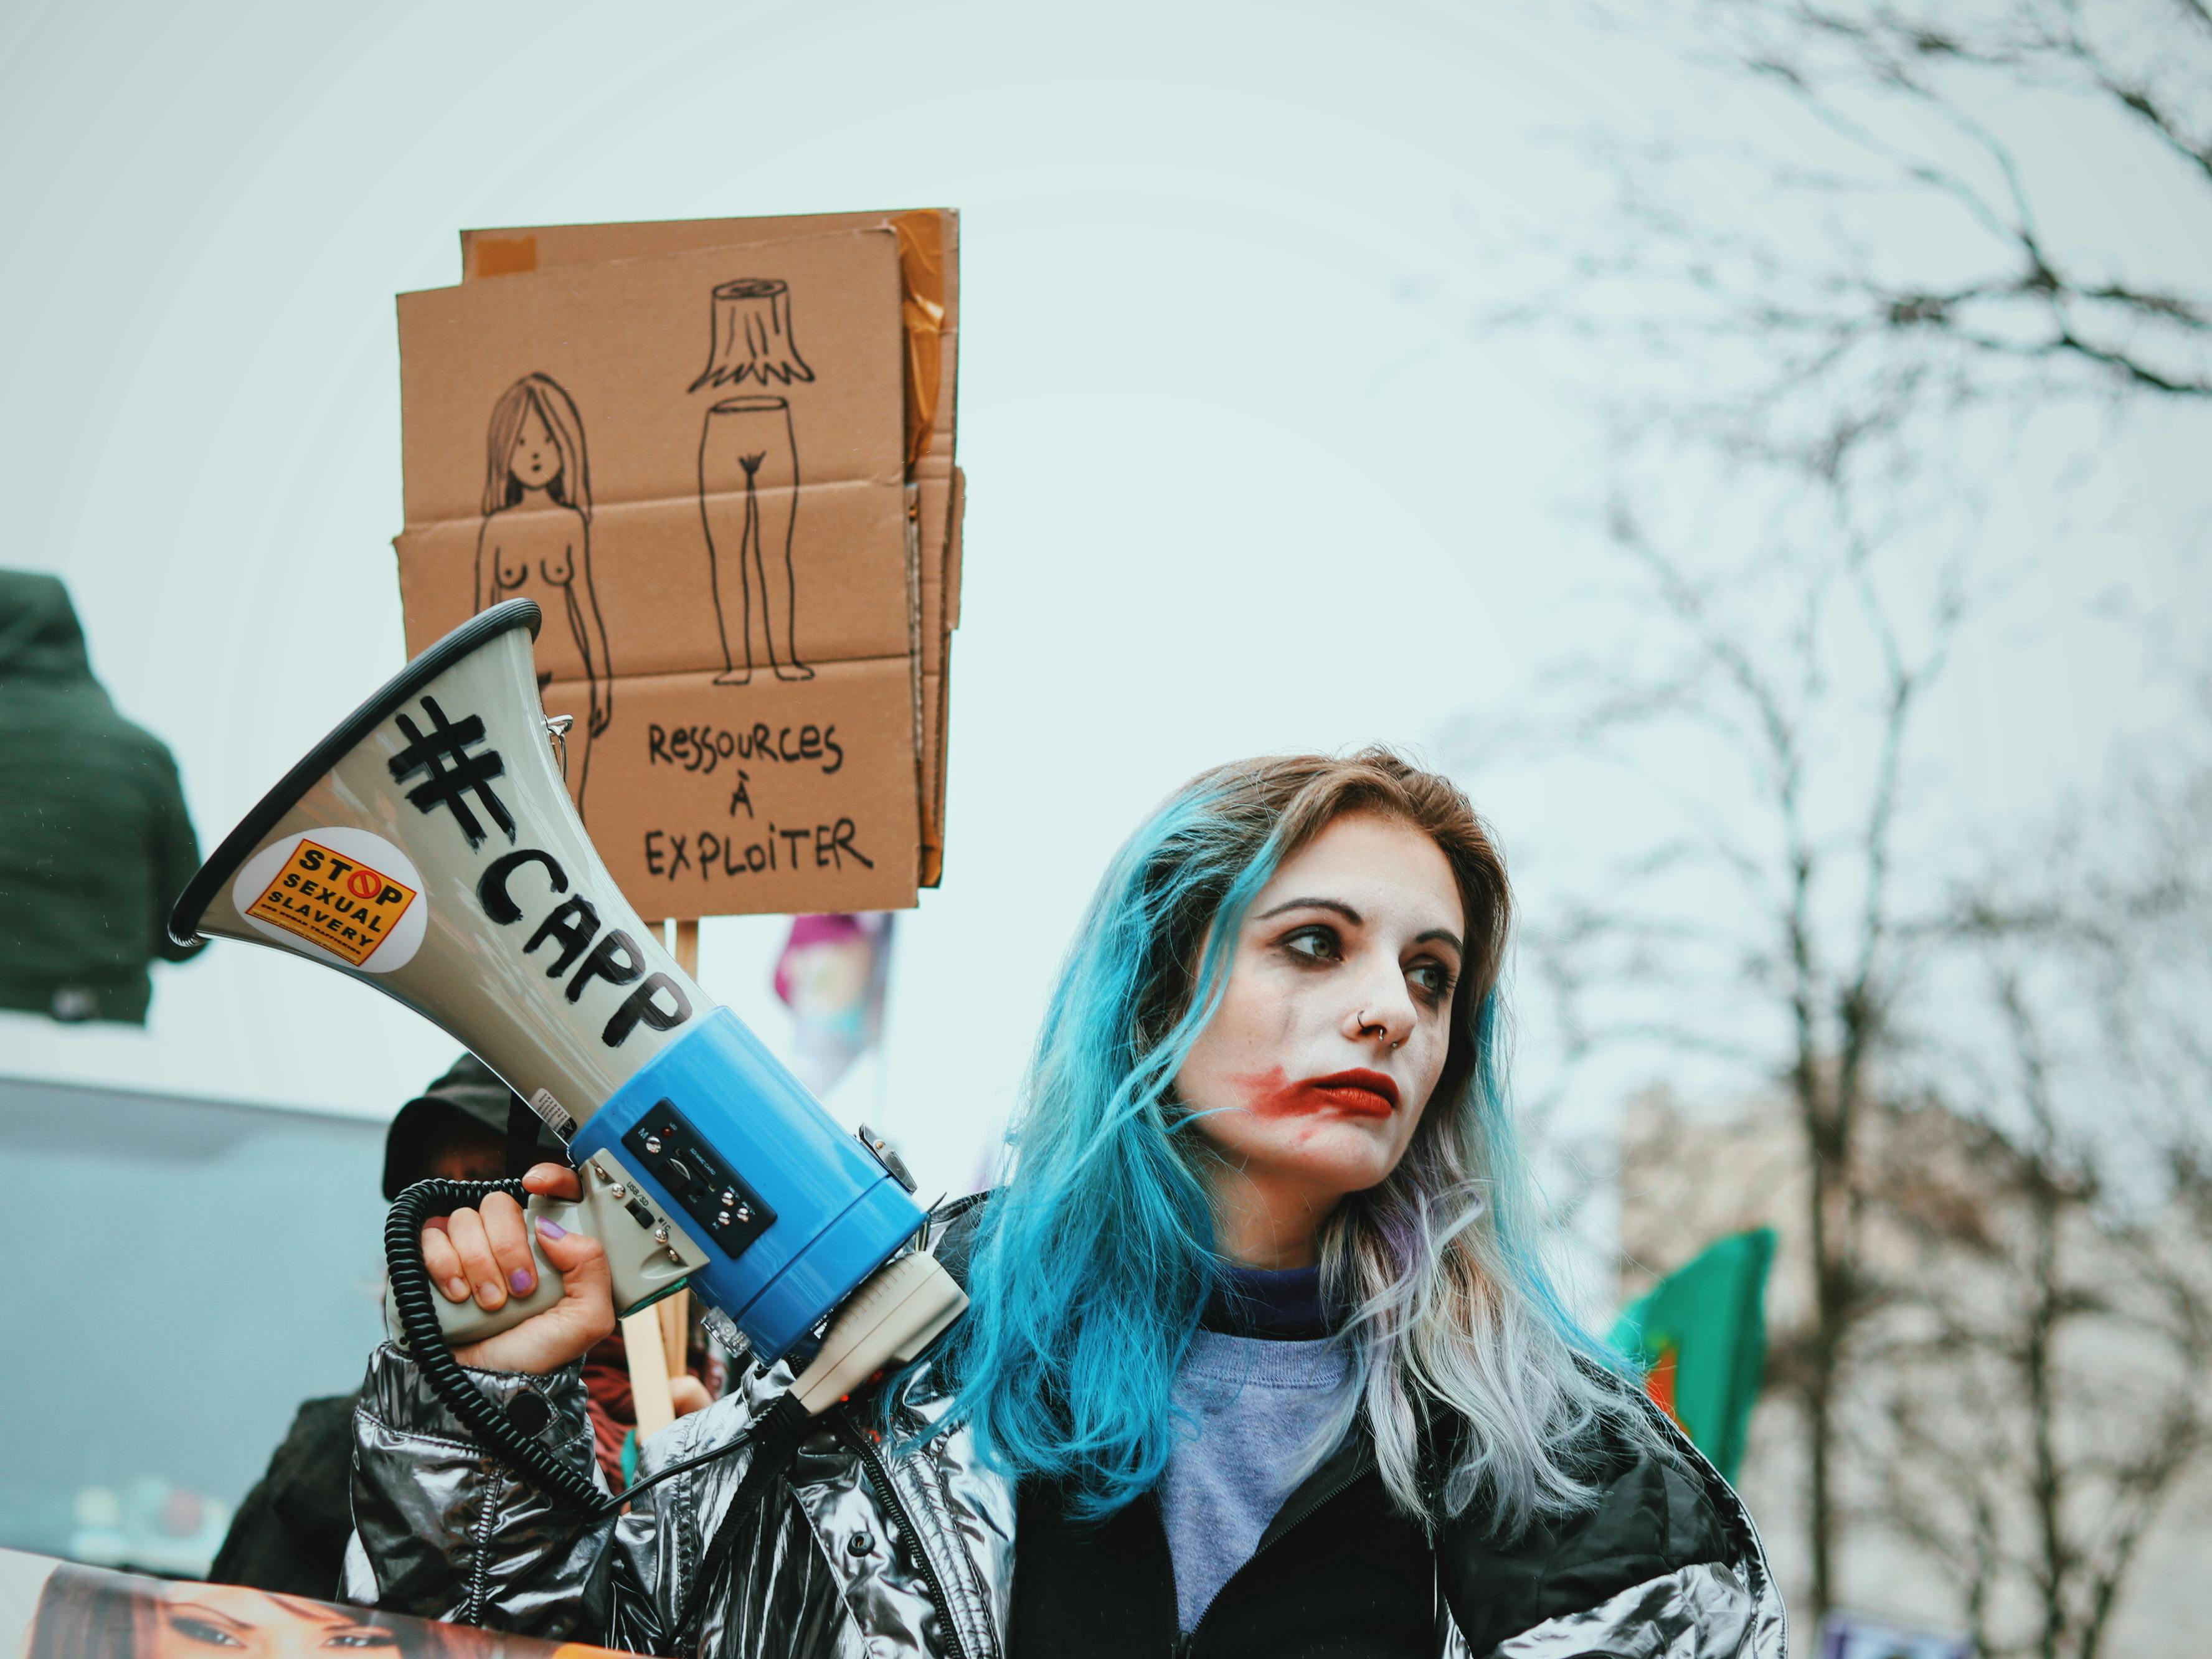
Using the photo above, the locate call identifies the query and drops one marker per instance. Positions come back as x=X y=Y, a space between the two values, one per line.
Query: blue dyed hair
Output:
x=1094 y=1261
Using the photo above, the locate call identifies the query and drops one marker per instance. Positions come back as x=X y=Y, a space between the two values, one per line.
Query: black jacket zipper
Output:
x=879 y=1476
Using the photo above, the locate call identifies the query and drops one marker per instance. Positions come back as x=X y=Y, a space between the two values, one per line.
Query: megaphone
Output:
x=428 y=847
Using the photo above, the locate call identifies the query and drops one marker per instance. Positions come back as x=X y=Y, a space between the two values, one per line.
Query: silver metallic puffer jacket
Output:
x=882 y=1556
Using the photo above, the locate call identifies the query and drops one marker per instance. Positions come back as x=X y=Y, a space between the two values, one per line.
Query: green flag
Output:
x=1701 y=1335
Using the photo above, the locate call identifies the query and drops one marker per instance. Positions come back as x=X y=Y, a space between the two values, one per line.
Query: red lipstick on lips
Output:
x=1356 y=1093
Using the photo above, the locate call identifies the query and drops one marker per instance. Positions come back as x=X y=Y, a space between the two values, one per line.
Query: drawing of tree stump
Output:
x=749 y=500
x=752 y=336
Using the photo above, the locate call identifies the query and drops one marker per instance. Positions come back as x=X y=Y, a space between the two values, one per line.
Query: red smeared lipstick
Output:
x=1357 y=1093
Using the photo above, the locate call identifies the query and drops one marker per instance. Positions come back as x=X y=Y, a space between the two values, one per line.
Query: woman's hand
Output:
x=484 y=1253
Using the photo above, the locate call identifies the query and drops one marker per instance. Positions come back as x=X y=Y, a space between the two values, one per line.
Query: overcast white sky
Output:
x=1245 y=474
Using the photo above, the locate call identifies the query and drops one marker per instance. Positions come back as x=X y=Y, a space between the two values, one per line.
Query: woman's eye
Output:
x=1314 y=944
x=199 y=1630
x=363 y=1638
x=1432 y=979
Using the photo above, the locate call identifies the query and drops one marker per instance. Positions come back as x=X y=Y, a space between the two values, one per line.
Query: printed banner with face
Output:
x=52 y=1609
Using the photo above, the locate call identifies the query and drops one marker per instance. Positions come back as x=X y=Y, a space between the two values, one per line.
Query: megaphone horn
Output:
x=428 y=847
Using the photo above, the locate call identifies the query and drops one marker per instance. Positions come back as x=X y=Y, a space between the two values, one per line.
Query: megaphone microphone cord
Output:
x=520 y=1448
x=894 y=1315
x=496 y=1430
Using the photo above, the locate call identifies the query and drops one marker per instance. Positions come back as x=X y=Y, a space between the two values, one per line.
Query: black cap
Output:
x=468 y=1105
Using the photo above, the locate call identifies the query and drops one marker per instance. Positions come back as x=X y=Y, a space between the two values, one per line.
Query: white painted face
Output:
x=1333 y=1029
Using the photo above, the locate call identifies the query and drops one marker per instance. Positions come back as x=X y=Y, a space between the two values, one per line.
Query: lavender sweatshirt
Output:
x=1260 y=1385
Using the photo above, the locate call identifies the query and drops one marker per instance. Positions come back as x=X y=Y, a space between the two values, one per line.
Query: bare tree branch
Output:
x=1812 y=367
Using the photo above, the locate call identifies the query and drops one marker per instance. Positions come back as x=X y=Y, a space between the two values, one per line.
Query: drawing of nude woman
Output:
x=537 y=543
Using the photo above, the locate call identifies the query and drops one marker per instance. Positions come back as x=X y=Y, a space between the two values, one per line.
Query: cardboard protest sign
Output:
x=929 y=267
x=697 y=461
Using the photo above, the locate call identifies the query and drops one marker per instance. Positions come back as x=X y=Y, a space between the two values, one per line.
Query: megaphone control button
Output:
x=697 y=1181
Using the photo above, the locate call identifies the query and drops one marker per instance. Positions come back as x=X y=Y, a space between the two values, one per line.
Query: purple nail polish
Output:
x=550 y=1228
x=521 y=1281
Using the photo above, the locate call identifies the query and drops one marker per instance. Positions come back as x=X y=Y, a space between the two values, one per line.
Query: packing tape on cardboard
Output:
x=922 y=284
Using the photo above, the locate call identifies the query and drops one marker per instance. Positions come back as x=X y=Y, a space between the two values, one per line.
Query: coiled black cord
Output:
x=412 y=1293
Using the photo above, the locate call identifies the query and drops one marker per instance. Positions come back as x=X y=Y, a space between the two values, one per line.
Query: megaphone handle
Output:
x=464 y=1323
x=642 y=1267
x=413 y=1307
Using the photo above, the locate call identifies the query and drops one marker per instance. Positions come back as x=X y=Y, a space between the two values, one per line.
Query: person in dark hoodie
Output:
x=290 y=1534
x=94 y=839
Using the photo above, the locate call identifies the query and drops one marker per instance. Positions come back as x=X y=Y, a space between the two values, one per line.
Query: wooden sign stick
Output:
x=656 y=1339
x=648 y=1373
x=675 y=1313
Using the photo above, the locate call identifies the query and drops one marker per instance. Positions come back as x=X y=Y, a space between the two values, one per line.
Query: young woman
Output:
x=1259 y=1359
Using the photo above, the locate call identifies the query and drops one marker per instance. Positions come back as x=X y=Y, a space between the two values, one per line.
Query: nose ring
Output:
x=1368 y=1022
